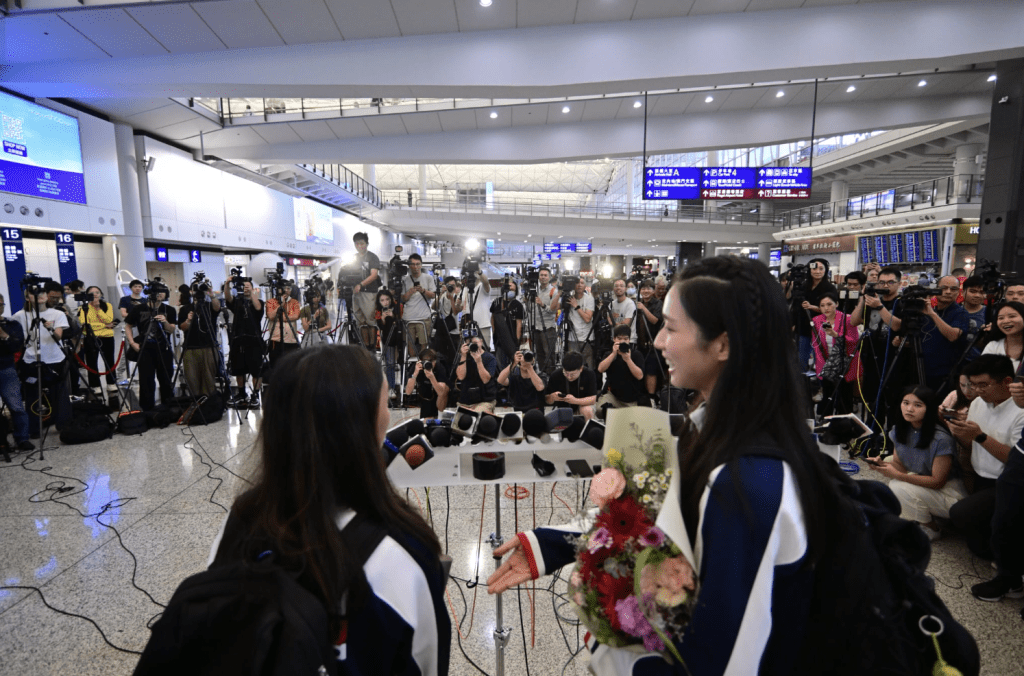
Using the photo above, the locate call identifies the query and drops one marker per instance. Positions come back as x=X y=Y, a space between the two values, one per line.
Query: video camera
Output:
x=238 y=281
x=154 y=287
x=277 y=281
x=397 y=269
x=314 y=287
x=531 y=280
x=568 y=284
x=198 y=288
x=798 y=276
x=915 y=300
x=33 y=282
x=995 y=281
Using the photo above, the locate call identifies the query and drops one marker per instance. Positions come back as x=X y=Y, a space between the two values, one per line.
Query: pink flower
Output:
x=631 y=617
x=606 y=486
x=576 y=579
x=653 y=537
x=600 y=538
x=673 y=579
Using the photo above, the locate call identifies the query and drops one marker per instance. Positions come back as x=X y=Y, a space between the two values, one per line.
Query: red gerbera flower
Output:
x=626 y=519
x=609 y=590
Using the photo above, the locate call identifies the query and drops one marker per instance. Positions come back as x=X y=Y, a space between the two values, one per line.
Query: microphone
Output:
x=397 y=436
x=488 y=427
x=465 y=421
x=511 y=427
x=572 y=432
x=593 y=434
x=417 y=451
x=558 y=419
x=534 y=424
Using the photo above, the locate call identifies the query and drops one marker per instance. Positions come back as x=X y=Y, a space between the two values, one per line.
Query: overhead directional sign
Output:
x=784 y=183
x=671 y=183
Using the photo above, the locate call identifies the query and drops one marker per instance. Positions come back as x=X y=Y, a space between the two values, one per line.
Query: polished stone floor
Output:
x=106 y=531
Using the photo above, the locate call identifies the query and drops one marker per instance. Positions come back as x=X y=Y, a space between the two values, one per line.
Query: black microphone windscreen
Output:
x=414 y=427
x=572 y=432
x=533 y=423
x=488 y=426
x=511 y=424
x=593 y=434
x=558 y=419
x=464 y=422
x=440 y=437
x=397 y=436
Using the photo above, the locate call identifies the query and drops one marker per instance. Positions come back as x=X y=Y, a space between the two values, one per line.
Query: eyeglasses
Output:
x=981 y=386
x=892 y=282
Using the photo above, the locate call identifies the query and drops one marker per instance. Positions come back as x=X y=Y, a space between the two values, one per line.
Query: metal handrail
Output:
x=956 y=189
x=348 y=180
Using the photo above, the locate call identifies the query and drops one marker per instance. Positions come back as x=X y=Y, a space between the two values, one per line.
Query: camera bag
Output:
x=132 y=422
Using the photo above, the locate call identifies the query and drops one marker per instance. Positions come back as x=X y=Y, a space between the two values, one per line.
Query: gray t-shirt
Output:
x=919 y=460
x=583 y=329
x=543 y=317
x=625 y=310
x=416 y=308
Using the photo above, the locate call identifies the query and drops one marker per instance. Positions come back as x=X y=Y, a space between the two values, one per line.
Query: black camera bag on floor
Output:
x=86 y=429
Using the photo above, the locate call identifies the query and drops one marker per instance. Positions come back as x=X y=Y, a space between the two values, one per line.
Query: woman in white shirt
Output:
x=1007 y=333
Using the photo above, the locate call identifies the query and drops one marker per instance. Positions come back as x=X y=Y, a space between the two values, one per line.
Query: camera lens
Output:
x=474 y=348
x=623 y=347
x=428 y=366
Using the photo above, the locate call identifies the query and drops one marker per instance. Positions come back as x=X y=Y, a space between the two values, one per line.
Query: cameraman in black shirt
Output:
x=524 y=382
x=198 y=322
x=507 y=315
x=878 y=311
x=155 y=321
x=247 y=347
x=624 y=385
x=430 y=379
x=574 y=387
x=476 y=371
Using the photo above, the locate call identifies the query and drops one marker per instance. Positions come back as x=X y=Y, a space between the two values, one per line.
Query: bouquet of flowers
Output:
x=632 y=585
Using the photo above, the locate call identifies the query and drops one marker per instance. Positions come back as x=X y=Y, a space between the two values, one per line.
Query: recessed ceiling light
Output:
x=637 y=104
x=565 y=109
x=499 y=233
x=709 y=99
x=485 y=3
x=922 y=83
x=493 y=115
x=992 y=77
x=851 y=88
x=779 y=94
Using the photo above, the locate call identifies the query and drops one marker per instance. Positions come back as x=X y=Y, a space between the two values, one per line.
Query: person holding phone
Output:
x=574 y=387
x=388 y=317
x=924 y=471
x=417 y=294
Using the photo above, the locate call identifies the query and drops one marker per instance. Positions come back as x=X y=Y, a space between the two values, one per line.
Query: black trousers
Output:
x=972 y=516
x=1008 y=518
x=155 y=360
x=92 y=353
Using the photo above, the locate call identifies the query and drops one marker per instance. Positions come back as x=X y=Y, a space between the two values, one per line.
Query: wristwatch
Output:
x=981 y=438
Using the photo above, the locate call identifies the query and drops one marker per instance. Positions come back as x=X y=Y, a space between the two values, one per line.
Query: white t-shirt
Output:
x=52 y=354
x=1003 y=422
x=481 y=302
x=625 y=310
x=416 y=308
x=583 y=330
x=999 y=347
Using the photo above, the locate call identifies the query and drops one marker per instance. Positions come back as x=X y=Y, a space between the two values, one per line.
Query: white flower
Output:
x=664 y=486
x=647 y=499
x=645 y=474
x=668 y=472
x=638 y=479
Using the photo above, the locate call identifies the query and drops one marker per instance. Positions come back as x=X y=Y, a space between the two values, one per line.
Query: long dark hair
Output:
x=318 y=452
x=759 y=397
x=931 y=416
x=996 y=333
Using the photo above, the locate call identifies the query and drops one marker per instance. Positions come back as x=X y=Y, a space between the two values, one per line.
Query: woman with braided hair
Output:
x=754 y=490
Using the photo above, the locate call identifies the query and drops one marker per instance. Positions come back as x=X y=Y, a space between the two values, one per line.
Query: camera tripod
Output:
x=34 y=328
x=205 y=322
x=144 y=344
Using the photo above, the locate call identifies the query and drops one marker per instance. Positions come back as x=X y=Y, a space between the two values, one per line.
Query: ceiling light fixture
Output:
x=922 y=83
x=709 y=99
x=637 y=104
x=851 y=88
x=485 y=3
x=493 y=115
x=779 y=94
x=992 y=77
x=565 y=109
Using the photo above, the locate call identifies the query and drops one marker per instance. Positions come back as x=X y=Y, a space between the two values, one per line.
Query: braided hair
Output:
x=759 y=397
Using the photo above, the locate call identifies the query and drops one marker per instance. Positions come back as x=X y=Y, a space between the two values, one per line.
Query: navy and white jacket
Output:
x=403 y=628
x=754 y=594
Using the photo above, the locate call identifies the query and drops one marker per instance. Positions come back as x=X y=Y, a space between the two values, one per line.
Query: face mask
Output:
x=630 y=292
x=510 y=295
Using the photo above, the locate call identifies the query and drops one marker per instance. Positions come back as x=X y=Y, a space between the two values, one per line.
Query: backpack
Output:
x=248 y=614
x=871 y=595
x=86 y=429
x=203 y=411
x=132 y=422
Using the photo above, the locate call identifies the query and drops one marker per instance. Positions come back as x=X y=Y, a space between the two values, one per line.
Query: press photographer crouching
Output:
x=12 y=342
x=624 y=366
x=524 y=382
x=476 y=371
x=197 y=319
x=430 y=380
x=44 y=360
x=574 y=387
x=245 y=358
x=154 y=321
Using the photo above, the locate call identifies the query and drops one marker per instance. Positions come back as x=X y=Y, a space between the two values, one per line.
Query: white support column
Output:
x=370 y=173
x=423 y=182
x=966 y=167
x=840 y=193
x=764 y=253
x=131 y=245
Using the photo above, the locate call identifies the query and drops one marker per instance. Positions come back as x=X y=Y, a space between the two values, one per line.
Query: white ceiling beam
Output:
x=621 y=138
x=568 y=60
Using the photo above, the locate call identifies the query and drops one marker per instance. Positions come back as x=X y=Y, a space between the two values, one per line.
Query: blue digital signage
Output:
x=161 y=254
x=672 y=183
x=195 y=256
x=41 y=153
x=66 y=263
x=14 y=265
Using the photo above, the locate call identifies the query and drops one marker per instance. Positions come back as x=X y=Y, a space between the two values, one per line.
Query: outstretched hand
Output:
x=513 y=571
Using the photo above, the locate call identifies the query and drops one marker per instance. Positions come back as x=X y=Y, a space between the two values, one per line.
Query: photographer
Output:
x=446 y=337
x=97 y=316
x=649 y=323
x=977 y=313
x=315 y=320
x=878 y=311
x=417 y=292
x=430 y=379
x=623 y=309
x=525 y=384
x=660 y=288
x=49 y=328
x=154 y=321
x=853 y=283
x=71 y=337
x=72 y=289
x=574 y=387
x=364 y=294
x=247 y=346
x=546 y=316
x=196 y=318
x=12 y=343
x=476 y=373
x=282 y=313
x=507 y=315
x=804 y=312
x=475 y=304
x=581 y=318
x=944 y=324
x=388 y=317
x=625 y=368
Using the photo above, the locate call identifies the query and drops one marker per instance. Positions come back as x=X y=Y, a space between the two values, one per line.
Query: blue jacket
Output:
x=754 y=595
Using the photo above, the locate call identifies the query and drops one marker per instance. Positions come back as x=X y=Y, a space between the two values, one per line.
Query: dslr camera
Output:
x=238 y=281
x=33 y=282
